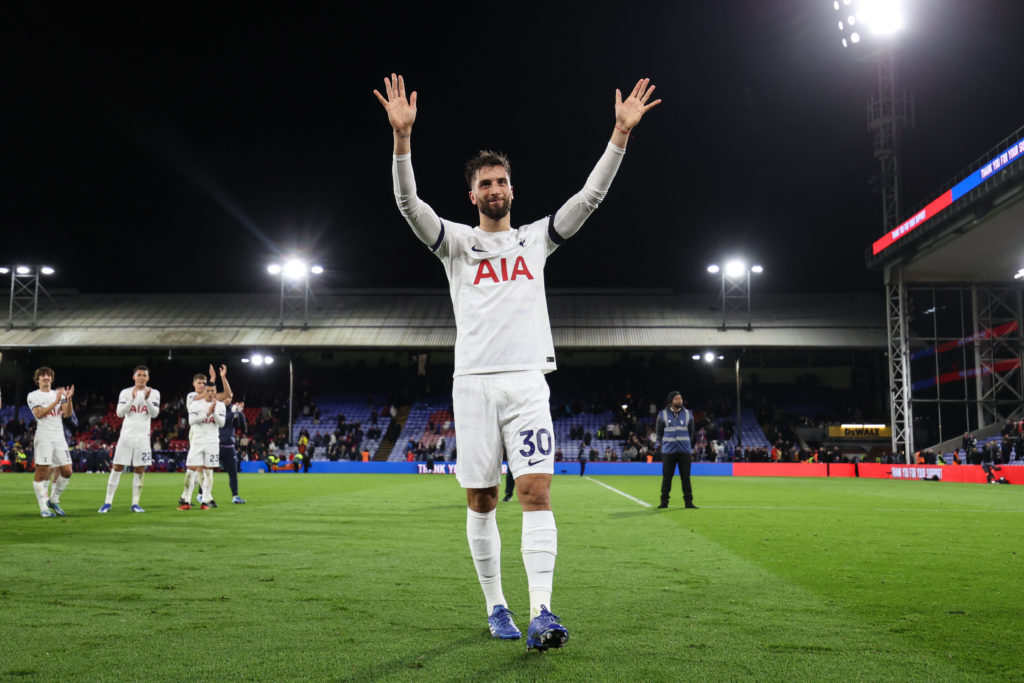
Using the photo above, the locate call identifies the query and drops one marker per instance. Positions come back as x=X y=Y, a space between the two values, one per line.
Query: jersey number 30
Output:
x=543 y=444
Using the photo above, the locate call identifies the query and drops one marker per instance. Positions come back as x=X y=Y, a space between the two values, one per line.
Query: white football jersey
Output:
x=205 y=428
x=496 y=280
x=138 y=412
x=49 y=426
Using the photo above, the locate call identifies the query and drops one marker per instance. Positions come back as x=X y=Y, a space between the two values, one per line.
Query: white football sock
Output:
x=112 y=481
x=58 y=488
x=207 y=485
x=190 y=483
x=137 y=487
x=485 y=548
x=540 y=546
x=40 y=490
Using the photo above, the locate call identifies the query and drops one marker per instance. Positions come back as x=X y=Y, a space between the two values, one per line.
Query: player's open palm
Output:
x=401 y=111
x=629 y=111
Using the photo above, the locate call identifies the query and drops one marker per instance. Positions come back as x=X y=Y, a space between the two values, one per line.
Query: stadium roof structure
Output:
x=423 y=320
x=970 y=237
x=971 y=232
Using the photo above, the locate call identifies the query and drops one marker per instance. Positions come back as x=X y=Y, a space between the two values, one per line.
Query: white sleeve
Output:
x=153 y=406
x=570 y=217
x=123 y=403
x=195 y=416
x=220 y=414
x=424 y=222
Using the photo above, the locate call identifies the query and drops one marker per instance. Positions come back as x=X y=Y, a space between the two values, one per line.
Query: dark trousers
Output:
x=230 y=464
x=668 y=470
x=583 y=466
x=510 y=483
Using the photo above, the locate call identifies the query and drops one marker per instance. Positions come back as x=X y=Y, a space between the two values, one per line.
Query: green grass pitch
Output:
x=368 y=577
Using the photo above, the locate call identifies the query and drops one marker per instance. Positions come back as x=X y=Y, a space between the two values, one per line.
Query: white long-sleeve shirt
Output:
x=496 y=279
x=138 y=412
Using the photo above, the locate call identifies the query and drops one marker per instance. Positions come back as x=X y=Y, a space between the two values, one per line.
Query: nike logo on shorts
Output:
x=531 y=463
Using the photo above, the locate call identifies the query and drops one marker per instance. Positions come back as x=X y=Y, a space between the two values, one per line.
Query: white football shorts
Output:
x=509 y=409
x=133 y=452
x=203 y=455
x=51 y=453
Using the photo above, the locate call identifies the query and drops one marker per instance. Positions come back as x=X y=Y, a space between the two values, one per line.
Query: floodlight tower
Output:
x=871 y=25
x=735 y=296
x=295 y=289
x=25 y=290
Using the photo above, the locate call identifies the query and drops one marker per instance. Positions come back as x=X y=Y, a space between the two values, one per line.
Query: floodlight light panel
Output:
x=735 y=268
x=709 y=357
x=268 y=360
x=274 y=269
x=257 y=360
x=713 y=268
x=295 y=269
x=881 y=17
x=22 y=270
x=46 y=270
x=316 y=270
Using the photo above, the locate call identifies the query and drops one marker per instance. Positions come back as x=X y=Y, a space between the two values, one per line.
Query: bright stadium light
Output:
x=735 y=269
x=317 y=270
x=882 y=17
x=709 y=357
x=294 y=269
x=713 y=268
x=4 y=270
x=875 y=17
x=46 y=270
x=274 y=269
x=695 y=356
x=1019 y=275
x=22 y=270
x=757 y=269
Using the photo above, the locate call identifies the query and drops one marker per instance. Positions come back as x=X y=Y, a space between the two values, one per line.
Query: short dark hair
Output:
x=211 y=384
x=198 y=375
x=483 y=159
x=140 y=367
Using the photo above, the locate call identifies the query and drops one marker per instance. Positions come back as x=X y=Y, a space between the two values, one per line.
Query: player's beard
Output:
x=496 y=212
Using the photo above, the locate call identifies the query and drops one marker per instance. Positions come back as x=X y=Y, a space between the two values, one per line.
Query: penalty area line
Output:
x=621 y=493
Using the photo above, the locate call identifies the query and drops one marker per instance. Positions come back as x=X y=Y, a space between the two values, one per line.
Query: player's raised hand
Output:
x=223 y=371
x=135 y=392
x=629 y=111
x=69 y=392
x=401 y=111
x=147 y=392
x=213 y=375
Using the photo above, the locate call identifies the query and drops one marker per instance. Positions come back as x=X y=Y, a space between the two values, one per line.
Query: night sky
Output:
x=156 y=148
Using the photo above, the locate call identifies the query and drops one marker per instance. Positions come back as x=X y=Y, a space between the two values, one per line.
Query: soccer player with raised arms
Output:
x=137 y=406
x=503 y=347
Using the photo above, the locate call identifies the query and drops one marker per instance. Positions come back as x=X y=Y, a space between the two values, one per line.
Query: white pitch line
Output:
x=621 y=493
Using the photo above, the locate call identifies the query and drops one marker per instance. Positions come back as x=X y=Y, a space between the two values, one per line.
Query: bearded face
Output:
x=492 y=192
